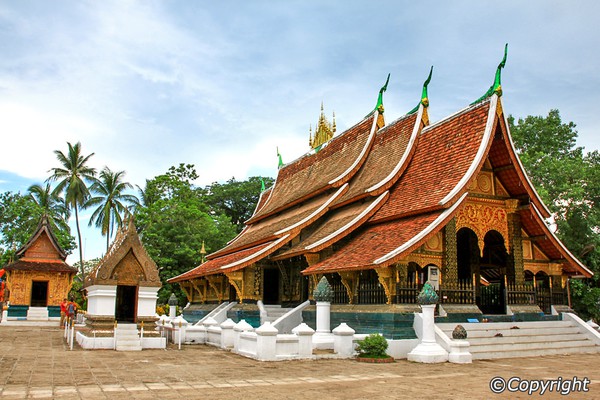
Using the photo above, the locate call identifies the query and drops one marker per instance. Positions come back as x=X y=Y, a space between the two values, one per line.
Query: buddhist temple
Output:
x=386 y=206
x=124 y=286
x=39 y=279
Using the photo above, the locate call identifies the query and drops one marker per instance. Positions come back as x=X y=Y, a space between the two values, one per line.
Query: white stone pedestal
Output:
x=459 y=352
x=323 y=338
x=428 y=351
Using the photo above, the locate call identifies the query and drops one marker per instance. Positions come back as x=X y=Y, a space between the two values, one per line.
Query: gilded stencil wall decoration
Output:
x=482 y=218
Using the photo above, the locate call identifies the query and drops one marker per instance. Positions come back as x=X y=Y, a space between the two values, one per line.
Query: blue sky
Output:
x=146 y=85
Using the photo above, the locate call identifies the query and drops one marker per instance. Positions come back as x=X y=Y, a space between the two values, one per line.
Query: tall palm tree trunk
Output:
x=79 y=237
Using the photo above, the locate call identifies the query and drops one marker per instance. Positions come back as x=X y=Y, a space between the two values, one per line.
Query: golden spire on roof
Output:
x=324 y=131
x=202 y=253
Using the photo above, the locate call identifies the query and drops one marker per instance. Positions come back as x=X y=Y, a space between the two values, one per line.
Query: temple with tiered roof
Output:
x=384 y=207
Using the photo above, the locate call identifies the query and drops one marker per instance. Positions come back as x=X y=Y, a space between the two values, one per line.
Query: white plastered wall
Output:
x=147 y=297
x=102 y=300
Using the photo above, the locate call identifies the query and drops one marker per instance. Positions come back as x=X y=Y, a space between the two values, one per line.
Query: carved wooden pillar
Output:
x=350 y=282
x=515 y=241
x=450 y=263
x=385 y=276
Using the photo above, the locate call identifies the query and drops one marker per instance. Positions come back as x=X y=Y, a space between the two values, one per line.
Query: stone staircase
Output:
x=524 y=339
x=128 y=338
x=274 y=312
x=37 y=314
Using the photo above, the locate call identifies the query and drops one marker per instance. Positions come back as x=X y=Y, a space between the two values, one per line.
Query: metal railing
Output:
x=461 y=292
x=340 y=294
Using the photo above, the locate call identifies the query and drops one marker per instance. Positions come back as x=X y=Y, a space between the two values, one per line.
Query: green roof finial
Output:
x=496 y=86
x=379 y=106
x=280 y=160
x=424 y=97
x=262 y=184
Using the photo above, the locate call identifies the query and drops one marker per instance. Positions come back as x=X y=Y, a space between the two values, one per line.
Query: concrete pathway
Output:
x=36 y=363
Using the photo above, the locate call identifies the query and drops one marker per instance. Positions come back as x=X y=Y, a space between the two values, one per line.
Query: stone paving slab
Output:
x=36 y=363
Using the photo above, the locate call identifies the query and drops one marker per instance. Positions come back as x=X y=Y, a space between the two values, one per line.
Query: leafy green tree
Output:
x=111 y=201
x=236 y=199
x=19 y=218
x=51 y=205
x=71 y=177
x=174 y=220
x=568 y=180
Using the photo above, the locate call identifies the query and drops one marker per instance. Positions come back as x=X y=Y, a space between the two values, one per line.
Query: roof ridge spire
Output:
x=496 y=86
x=424 y=96
x=279 y=159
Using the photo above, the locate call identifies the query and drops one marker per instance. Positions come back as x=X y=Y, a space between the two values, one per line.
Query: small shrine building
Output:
x=124 y=286
x=40 y=278
x=386 y=206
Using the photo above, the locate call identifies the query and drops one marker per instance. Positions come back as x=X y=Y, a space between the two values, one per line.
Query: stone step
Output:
x=534 y=352
x=474 y=334
x=523 y=339
x=449 y=326
x=121 y=347
x=494 y=340
x=577 y=342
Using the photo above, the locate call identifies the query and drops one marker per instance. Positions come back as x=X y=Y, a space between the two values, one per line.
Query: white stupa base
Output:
x=322 y=341
x=428 y=352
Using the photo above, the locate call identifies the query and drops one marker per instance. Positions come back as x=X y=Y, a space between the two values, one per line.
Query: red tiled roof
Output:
x=445 y=154
x=332 y=166
x=372 y=243
x=533 y=223
x=515 y=180
x=384 y=163
x=335 y=226
x=273 y=227
x=232 y=262
x=382 y=244
x=262 y=200
x=40 y=265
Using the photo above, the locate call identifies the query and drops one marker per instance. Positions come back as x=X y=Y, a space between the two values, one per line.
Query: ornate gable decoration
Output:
x=125 y=263
x=42 y=244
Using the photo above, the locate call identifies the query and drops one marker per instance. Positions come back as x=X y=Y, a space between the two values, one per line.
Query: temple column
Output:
x=450 y=263
x=515 y=240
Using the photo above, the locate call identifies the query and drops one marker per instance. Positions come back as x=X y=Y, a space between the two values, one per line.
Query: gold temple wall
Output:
x=19 y=284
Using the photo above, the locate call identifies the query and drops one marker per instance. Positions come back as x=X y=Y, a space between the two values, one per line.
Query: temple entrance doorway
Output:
x=125 y=305
x=39 y=293
x=271 y=286
x=493 y=268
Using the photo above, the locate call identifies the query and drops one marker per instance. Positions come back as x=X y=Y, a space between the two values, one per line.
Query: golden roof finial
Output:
x=334 y=127
x=323 y=131
x=202 y=252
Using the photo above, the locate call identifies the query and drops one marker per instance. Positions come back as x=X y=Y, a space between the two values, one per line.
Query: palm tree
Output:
x=51 y=204
x=112 y=202
x=72 y=177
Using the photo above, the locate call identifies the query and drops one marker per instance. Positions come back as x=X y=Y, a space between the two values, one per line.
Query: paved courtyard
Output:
x=36 y=363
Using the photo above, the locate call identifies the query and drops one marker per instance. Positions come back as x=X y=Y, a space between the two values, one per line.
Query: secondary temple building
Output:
x=124 y=286
x=384 y=207
x=40 y=278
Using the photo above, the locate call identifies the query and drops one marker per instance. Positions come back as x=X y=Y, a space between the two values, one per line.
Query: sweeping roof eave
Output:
x=533 y=194
x=383 y=244
x=313 y=174
x=569 y=258
x=41 y=266
x=335 y=227
x=290 y=220
x=232 y=262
